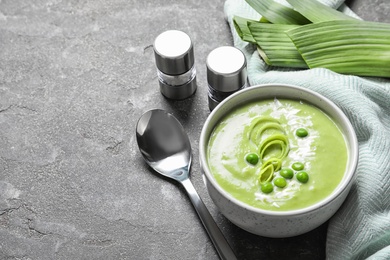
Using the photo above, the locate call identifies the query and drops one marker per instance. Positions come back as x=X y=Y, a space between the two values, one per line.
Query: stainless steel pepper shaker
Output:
x=174 y=55
x=226 y=73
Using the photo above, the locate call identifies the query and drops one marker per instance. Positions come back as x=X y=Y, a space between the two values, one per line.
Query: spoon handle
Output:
x=221 y=245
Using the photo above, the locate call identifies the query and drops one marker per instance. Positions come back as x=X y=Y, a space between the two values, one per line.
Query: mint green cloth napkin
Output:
x=361 y=228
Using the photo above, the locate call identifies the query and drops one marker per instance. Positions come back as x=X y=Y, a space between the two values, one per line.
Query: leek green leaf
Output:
x=318 y=12
x=274 y=46
x=241 y=26
x=345 y=46
x=277 y=13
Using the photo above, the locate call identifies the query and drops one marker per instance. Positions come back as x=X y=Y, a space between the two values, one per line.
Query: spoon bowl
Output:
x=164 y=144
x=166 y=148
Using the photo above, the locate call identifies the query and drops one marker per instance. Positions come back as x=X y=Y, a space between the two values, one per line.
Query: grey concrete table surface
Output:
x=74 y=78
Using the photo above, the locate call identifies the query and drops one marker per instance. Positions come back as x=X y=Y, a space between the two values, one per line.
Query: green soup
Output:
x=253 y=147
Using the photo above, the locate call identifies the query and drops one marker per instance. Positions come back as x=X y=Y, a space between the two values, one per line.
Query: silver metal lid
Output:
x=226 y=69
x=174 y=52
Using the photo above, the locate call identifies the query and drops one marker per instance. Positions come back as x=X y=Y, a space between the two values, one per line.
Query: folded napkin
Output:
x=361 y=228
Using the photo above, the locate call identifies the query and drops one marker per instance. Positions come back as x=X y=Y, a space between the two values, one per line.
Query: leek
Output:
x=241 y=26
x=318 y=12
x=277 y=13
x=312 y=35
x=345 y=46
x=274 y=46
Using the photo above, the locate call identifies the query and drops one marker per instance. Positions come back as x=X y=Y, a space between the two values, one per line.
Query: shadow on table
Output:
x=248 y=246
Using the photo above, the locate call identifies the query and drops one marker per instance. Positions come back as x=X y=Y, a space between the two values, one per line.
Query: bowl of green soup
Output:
x=278 y=160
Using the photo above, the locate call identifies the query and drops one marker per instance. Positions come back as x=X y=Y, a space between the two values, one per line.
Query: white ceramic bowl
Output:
x=278 y=223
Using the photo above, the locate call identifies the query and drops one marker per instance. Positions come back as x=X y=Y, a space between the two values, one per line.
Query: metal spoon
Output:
x=166 y=148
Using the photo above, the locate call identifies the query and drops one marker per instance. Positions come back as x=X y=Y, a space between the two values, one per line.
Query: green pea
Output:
x=267 y=187
x=280 y=182
x=302 y=177
x=301 y=132
x=298 y=166
x=287 y=173
x=252 y=158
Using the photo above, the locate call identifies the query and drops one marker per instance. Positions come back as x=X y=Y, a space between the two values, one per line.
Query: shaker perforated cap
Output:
x=174 y=53
x=226 y=69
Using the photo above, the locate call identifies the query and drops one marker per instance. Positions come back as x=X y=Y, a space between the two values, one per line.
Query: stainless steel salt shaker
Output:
x=226 y=73
x=174 y=55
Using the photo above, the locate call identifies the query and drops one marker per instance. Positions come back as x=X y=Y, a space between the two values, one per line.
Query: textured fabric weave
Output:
x=361 y=228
